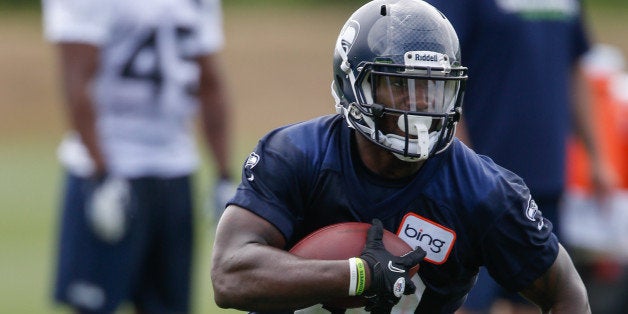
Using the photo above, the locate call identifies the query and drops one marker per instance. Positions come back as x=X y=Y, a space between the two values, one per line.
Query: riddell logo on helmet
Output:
x=425 y=57
x=435 y=239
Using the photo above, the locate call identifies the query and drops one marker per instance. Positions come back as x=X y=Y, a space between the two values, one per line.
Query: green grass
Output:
x=28 y=183
x=30 y=180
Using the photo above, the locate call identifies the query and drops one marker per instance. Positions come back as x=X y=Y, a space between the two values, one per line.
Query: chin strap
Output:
x=419 y=127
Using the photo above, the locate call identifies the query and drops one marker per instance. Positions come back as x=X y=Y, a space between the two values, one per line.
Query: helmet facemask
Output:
x=405 y=108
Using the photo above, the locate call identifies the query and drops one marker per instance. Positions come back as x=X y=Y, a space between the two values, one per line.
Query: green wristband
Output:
x=359 y=289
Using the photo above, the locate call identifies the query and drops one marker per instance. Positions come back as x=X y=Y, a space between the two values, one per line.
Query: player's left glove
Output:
x=389 y=274
x=107 y=208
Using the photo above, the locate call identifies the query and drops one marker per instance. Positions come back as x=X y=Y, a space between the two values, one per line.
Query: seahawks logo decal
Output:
x=348 y=35
x=250 y=163
x=532 y=209
x=534 y=214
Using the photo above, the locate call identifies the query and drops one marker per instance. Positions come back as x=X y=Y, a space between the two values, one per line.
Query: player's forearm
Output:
x=84 y=123
x=79 y=66
x=215 y=112
x=583 y=114
x=218 y=141
x=263 y=278
x=601 y=173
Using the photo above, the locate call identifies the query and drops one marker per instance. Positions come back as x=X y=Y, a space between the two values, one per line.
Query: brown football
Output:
x=343 y=241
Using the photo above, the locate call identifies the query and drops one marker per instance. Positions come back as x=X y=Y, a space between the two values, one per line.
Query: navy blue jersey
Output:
x=461 y=208
x=521 y=55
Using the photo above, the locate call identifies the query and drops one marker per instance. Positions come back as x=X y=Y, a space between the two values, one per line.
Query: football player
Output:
x=135 y=73
x=388 y=156
x=532 y=88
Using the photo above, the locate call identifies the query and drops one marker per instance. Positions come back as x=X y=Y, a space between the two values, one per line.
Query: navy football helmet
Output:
x=398 y=78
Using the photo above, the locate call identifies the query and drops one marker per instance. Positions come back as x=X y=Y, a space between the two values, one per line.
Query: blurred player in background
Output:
x=597 y=232
x=134 y=76
x=388 y=156
x=525 y=93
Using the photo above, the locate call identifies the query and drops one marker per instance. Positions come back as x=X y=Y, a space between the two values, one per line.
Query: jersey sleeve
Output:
x=273 y=179
x=211 y=27
x=76 y=20
x=519 y=246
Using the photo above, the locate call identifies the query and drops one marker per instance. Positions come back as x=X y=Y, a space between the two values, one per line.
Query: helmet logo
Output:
x=347 y=36
x=428 y=59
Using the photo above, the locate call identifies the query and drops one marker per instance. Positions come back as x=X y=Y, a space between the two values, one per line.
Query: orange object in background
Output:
x=609 y=96
x=598 y=231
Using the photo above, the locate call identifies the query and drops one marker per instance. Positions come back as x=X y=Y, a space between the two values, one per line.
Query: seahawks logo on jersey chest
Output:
x=435 y=239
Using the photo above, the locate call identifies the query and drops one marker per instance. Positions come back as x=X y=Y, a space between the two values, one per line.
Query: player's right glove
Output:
x=389 y=274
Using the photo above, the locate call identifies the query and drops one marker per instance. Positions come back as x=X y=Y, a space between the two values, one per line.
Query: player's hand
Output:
x=224 y=189
x=107 y=208
x=389 y=274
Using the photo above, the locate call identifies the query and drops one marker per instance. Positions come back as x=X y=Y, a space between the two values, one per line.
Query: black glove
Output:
x=389 y=274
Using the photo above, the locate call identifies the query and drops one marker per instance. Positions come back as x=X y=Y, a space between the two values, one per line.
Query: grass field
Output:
x=278 y=65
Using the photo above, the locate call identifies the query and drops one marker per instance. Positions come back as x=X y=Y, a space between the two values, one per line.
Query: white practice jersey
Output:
x=146 y=85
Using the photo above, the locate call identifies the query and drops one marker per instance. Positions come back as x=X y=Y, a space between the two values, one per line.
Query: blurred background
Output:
x=278 y=61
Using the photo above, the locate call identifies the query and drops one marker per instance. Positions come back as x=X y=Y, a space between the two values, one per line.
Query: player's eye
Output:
x=398 y=82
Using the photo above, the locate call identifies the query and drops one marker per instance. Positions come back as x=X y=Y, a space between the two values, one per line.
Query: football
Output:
x=343 y=241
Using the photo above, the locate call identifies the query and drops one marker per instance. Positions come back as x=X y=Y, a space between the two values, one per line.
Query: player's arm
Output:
x=251 y=271
x=215 y=114
x=560 y=289
x=603 y=178
x=79 y=63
